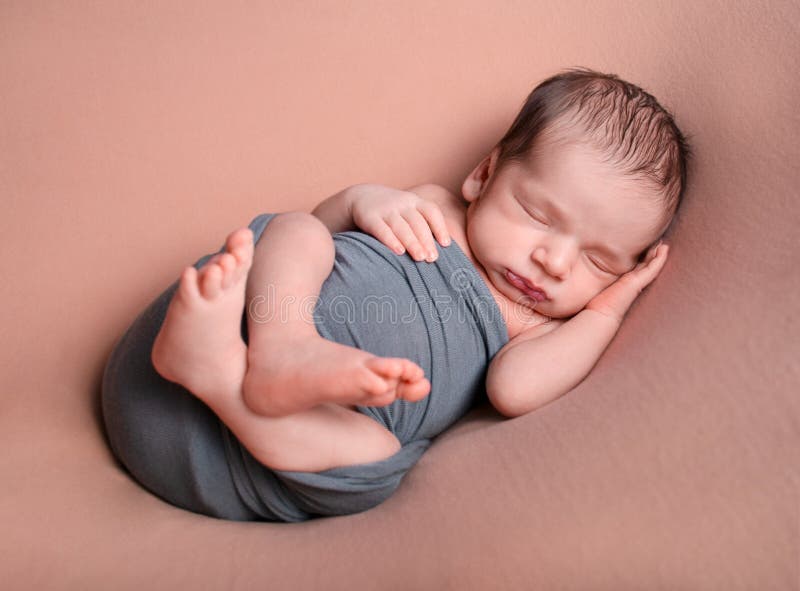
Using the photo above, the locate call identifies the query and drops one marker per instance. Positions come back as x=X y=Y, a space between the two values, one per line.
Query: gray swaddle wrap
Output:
x=441 y=315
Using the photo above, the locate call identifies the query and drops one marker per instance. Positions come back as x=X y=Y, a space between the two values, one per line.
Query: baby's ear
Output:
x=471 y=188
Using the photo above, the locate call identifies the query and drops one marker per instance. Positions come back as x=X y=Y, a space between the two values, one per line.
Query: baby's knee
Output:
x=306 y=230
x=306 y=226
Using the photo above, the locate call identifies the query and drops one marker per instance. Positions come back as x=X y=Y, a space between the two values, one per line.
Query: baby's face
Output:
x=565 y=221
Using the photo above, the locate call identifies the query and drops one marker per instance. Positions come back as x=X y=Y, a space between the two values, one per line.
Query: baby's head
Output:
x=587 y=178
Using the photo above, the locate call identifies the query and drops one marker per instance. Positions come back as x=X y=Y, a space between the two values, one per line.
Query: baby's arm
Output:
x=547 y=361
x=336 y=212
x=544 y=362
x=402 y=220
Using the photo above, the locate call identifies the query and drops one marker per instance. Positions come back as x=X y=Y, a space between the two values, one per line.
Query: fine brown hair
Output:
x=627 y=124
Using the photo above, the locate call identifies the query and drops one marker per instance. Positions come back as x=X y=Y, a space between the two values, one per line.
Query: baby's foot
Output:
x=199 y=345
x=293 y=373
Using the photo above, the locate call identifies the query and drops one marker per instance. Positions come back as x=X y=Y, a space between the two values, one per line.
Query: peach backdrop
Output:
x=134 y=136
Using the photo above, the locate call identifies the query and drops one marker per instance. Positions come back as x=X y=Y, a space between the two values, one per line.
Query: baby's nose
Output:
x=557 y=260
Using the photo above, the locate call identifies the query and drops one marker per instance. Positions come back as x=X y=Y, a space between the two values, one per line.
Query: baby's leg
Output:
x=200 y=347
x=290 y=367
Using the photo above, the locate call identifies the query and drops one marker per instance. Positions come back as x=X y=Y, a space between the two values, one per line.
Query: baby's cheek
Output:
x=610 y=280
x=599 y=287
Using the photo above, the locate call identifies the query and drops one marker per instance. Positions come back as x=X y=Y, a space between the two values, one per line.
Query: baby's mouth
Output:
x=526 y=286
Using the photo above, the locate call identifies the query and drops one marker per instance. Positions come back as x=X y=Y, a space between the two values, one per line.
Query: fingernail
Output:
x=446 y=242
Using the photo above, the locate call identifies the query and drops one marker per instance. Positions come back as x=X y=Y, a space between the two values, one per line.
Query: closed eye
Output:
x=537 y=217
x=596 y=264
x=533 y=215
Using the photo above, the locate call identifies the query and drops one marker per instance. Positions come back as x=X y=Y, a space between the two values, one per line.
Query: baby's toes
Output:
x=413 y=391
x=210 y=281
x=240 y=244
x=371 y=383
x=411 y=372
x=227 y=262
x=388 y=367
x=384 y=399
x=188 y=287
x=367 y=381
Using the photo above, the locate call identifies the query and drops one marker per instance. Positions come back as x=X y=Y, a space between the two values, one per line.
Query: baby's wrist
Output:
x=606 y=315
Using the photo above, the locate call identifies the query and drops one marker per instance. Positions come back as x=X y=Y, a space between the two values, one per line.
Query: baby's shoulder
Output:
x=453 y=206
x=441 y=195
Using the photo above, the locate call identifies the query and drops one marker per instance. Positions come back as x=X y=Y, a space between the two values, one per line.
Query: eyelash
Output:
x=537 y=218
x=601 y=269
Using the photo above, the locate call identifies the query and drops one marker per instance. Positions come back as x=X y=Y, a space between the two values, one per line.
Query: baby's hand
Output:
x=400 y=219
x=615 y=300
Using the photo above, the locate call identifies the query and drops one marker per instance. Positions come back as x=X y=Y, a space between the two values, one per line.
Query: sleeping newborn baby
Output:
x=313 y=405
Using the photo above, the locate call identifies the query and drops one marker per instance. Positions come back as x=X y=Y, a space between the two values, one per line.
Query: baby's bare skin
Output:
x=311 y=383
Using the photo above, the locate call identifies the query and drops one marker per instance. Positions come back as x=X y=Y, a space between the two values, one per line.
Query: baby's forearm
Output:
x=536 y=371
x=336 y=213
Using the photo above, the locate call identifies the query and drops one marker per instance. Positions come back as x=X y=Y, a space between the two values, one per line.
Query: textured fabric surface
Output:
x=440 y=315
x=674 y=465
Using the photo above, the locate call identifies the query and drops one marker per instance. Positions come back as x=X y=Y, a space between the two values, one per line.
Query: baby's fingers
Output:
x=383 y=232
x=413 y=231
x=435 y=218
x=646 y=271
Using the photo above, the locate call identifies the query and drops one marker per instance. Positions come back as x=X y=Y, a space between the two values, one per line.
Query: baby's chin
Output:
x=534 y=309
x=552 y=309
